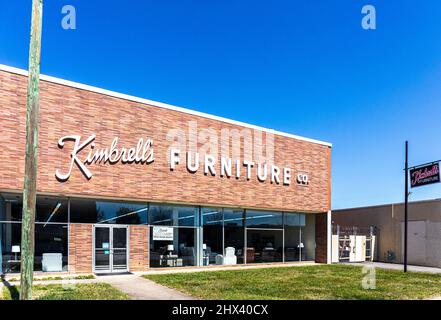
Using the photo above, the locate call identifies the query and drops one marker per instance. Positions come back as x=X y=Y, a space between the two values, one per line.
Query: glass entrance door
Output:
x=119 y=249
x=110 y=249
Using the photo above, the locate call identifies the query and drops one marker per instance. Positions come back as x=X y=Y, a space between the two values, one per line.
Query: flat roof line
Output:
x=386 y=205
x=157 y=104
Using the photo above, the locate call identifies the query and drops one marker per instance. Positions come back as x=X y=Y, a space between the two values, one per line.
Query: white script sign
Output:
x=141 y=154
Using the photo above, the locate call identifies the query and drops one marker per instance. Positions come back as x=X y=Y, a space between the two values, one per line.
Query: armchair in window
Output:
x=52 y=262
x=188 y=256
x=229 y=258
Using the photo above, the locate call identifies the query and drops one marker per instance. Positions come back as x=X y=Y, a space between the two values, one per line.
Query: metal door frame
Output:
x=110 y=227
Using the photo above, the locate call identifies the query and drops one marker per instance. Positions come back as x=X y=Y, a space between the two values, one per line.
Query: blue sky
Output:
x=304 y=67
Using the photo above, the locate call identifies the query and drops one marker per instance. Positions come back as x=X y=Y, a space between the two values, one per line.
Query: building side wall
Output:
x=424 y=237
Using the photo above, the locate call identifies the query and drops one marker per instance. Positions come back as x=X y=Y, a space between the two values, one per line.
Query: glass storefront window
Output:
x=299 y=237
x=168 y=215
x=196 y=236
x=10 y=240
x=51 y=209
x=294 y=219
x=11 y=207
x=178 y=251
x=264 y=219
x=51 y=252
x=212 y=221
x=48 y=209
x=293 y=244
x=264 y=246
x=234 y=232
x=308 y=237
x=51 y=247
x=92 y=211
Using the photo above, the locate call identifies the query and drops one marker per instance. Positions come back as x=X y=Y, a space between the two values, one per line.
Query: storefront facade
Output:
x=127 y=184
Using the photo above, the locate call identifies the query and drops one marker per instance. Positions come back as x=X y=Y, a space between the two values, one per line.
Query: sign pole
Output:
x=421 y=175
x=30 y=178
x=406 y=199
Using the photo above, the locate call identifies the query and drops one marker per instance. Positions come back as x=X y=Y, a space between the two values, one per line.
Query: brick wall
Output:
x=139 y=248
x=321 y=238
x=80 y=248
x=68 y=111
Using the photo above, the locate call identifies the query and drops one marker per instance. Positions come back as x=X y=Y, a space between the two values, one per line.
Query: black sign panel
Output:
x=422 y=176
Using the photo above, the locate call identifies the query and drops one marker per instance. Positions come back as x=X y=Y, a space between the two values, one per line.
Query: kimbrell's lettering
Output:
x=141 y=154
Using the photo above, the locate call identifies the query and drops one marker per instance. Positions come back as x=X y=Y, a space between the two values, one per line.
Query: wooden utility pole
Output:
x=30 y=179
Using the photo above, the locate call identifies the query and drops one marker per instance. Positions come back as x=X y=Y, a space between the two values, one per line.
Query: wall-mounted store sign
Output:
x=162 y=233
x=228 y=167
x=84 y=153
x=142 y=153
x=424 y=175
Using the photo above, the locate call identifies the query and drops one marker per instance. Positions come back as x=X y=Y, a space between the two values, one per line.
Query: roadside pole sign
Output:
x=424 y=175
x=421 y=175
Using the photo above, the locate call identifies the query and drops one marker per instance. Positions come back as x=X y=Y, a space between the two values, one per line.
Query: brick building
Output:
x=127 y=184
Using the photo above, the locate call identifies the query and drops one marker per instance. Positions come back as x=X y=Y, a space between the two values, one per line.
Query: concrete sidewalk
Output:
x=393 y=266
x=139 y=288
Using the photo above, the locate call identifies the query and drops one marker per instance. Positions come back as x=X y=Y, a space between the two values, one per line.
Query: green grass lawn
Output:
x=307 y=282
x=85 y=291
x=85 y=277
